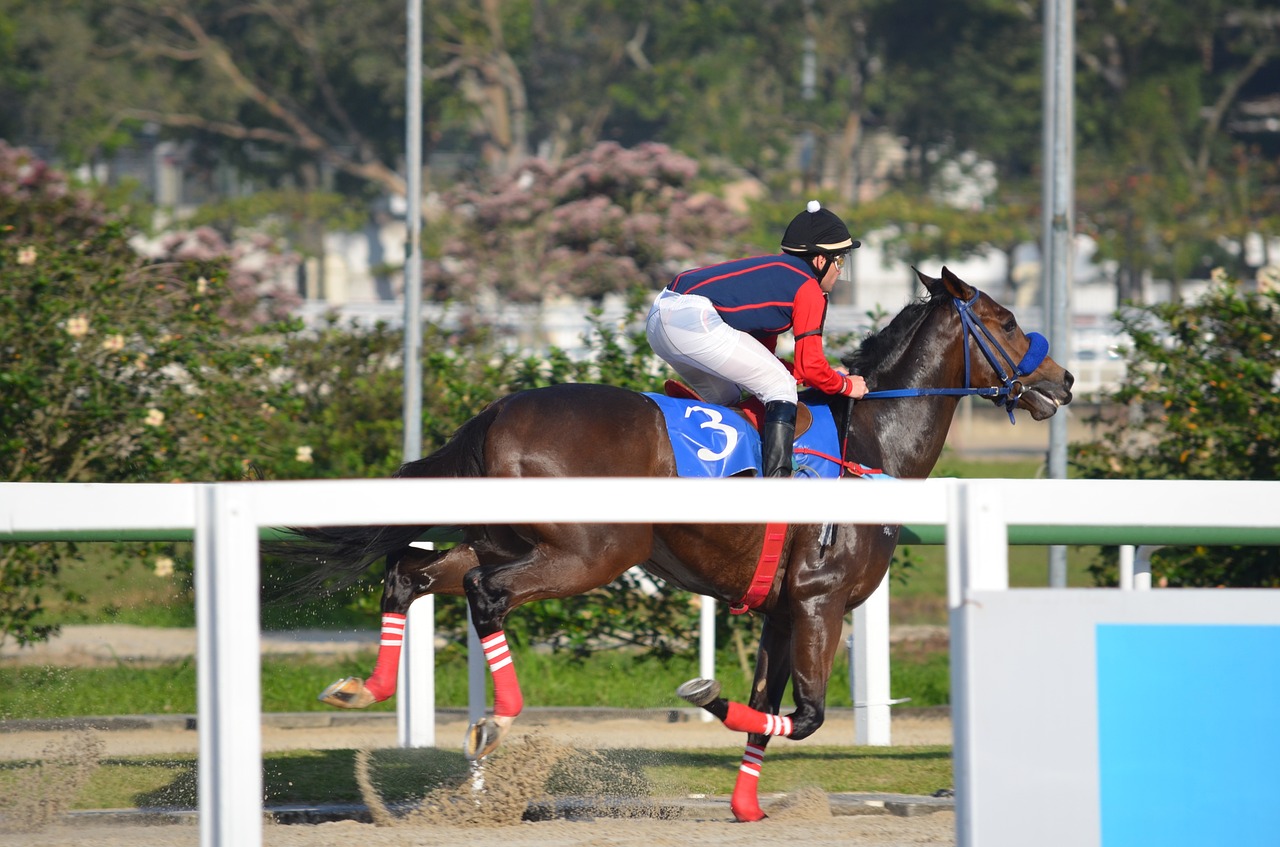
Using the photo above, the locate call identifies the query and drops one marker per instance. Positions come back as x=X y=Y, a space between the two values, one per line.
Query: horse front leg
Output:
x=759 y=718
x=773 y=670
x=811 y=645
x=411 y=573
x=813 y=650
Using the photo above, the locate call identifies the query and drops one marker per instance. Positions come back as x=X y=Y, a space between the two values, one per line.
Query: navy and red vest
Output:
x=764 y=296
x=755 y=295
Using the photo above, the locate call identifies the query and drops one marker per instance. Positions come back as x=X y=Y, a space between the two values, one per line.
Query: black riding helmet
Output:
x=817 y=231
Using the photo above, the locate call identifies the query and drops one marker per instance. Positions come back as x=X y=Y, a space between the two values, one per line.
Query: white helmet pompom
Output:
x=813 y=206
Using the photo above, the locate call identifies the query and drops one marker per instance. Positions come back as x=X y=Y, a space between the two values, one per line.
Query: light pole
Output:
x=413 y=239
x=1058 y=213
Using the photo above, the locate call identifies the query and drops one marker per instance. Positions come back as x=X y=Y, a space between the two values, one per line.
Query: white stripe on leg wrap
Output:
x=495 y=651
x=777 y=725
x=392 y=630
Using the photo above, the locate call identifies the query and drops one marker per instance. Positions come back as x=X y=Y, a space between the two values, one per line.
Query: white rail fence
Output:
x=226 y=519
x=1093 y=717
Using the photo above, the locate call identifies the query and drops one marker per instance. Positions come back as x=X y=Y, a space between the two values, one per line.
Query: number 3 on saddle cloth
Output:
x=719 y=441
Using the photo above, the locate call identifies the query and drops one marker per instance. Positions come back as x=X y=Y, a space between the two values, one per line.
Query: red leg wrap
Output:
x=746 y=719
x=507 y=699
x=745 y=802
x=382 y=682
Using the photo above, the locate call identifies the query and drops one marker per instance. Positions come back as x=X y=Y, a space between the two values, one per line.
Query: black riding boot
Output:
x=776 y=436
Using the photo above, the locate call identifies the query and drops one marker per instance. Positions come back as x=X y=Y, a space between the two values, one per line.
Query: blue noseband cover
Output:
x=1036 y=352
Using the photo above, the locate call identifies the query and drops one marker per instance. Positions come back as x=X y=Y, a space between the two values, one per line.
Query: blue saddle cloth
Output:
x=716 y=441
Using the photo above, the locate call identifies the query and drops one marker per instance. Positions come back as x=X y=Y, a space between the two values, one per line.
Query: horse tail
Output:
x=462 y=456
x=331 y=558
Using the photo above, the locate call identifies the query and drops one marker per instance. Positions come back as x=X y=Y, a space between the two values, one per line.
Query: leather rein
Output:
x=1011 y=386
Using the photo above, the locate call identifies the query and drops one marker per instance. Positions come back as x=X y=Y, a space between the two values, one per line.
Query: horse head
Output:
x=998 y=352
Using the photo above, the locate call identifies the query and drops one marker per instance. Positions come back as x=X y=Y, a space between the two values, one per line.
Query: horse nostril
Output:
x=1068 y=380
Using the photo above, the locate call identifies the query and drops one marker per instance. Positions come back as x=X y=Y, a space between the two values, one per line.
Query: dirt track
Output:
x=801 y=825
x=805 y=816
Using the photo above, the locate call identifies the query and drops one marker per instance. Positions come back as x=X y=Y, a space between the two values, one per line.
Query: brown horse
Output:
x=955 y=341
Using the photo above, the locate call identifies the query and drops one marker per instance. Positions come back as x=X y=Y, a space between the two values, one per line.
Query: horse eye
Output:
x=1010 y=325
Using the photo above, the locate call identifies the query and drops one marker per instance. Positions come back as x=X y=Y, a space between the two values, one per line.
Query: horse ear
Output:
x=932 y=284
x=956 y=286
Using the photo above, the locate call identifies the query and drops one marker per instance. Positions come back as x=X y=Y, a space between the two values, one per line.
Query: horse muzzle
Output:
x=1043 y=397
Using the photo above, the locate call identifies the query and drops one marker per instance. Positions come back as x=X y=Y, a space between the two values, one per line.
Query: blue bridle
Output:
x=1011 y=379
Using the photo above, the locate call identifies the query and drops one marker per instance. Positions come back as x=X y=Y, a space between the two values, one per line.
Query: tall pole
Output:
x=416 y=705
x=808 y=87
x=413 y=239
x=1058 y=212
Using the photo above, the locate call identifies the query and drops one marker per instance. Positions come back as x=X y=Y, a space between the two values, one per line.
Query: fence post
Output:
x=869 y=675
x=416 y=702
x=977 y=559
x=1124 y=566
x=1142 y=566
x=228 y=667
x=477 y=693
x=707 y=646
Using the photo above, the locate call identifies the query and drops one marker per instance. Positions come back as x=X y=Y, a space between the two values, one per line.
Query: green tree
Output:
x=957 y=77
x=115 y=368
x=1173 y=166
x=1200 y=400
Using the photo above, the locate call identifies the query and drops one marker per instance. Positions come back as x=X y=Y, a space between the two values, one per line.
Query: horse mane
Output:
x=881 y=349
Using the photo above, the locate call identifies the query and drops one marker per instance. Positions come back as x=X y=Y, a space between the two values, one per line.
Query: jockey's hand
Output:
x=854 y=386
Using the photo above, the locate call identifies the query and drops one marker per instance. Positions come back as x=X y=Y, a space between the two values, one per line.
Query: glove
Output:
x=854 y=386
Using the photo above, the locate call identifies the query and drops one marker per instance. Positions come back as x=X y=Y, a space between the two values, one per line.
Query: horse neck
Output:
x=905 y=436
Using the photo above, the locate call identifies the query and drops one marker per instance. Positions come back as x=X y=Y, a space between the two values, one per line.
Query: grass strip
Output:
x=615 y=679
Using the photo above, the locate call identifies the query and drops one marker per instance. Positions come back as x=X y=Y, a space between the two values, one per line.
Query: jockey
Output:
x=718 y=327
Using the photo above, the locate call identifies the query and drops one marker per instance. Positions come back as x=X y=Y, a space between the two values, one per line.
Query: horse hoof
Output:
x=699 y=692
x=749 y=815
x=484 y=736
x=348 y=693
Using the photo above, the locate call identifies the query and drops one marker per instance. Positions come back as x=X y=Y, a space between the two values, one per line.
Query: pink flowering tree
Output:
x=259 y=268
x=605 y=221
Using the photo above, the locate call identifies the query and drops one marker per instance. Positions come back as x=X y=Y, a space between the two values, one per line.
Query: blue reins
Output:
x=1011 y=380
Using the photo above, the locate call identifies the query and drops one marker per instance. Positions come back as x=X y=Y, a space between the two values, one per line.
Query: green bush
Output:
x=1200 y=400
x=116 y=367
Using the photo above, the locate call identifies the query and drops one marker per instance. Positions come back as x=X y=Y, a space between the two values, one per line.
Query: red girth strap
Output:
x=766 y=569
x=852 y=468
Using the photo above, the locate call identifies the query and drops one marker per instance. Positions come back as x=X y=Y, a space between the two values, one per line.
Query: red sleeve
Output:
x=811 y=366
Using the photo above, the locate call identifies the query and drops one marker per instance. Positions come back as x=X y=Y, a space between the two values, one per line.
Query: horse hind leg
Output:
x=568 y=560
x=412 y=572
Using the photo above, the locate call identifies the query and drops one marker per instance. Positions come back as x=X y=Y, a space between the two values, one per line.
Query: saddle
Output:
x=751 y=408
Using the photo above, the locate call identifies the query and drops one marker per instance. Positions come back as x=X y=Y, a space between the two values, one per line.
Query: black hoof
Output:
x=699 y=692
x=483 y=737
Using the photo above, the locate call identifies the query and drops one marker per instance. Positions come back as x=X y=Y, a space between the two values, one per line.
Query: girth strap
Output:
x=775 y=535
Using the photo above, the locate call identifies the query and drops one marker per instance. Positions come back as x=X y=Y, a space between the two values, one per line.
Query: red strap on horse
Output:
x=851 y=467
x=775 y=534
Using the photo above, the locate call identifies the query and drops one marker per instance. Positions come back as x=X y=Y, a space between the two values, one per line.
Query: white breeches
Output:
x=716 y=360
